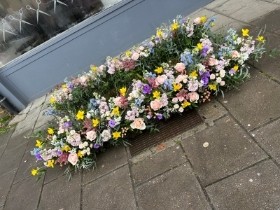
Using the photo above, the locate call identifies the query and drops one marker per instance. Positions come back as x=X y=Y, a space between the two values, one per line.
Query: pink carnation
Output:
x=138 y=123
x=180 y=67
x=161 y=79
x=193 y=96
x=135 y=56
x=156 y=104
x=73 y=158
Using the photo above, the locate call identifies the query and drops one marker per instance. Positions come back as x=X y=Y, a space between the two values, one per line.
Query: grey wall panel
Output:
x=106 y=34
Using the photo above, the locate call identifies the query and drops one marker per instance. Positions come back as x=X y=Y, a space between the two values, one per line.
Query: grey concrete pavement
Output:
x=231 y=161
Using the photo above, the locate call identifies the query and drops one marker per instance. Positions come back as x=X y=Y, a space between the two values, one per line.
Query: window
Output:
x=25 y=24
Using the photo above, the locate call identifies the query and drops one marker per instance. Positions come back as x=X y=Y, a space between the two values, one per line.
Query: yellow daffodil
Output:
x=80 y=154
x=52 y=100
x=245 y=32
x=177 y=86
x=122 y=91
x=50 y=131
x=203 y=19
x=116 y=135
x=194 y=74
x=261 y=39
x=95 y=122
x=235 y=68
x=34 y=171
x=50 y=163
x=116 y=111
x=93 y=68
x=213 y=87
x=156 y=94
x=159 y=70
x=39 y=143
x=174 y=26
x=66 y=148
x=159 y=33
x=128 y=53
x=199 y=46
x=80 y=115
x=186 y=104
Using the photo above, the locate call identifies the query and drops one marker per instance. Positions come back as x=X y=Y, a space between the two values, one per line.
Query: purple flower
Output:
x=112 y=123
x=232 y=71
x=96 y=146
x=59 y=153
x=146 y=89
x=67 y=124
x=204 y=51
x=38 y=156
x=205 y=78
x=159 y=116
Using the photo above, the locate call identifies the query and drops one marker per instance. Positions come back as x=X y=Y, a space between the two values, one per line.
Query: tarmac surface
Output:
x=231 y=161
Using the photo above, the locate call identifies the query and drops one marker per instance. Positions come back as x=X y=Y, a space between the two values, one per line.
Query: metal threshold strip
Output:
x=174 y=126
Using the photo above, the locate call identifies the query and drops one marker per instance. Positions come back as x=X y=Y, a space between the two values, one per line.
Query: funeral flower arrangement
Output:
x=177 y=69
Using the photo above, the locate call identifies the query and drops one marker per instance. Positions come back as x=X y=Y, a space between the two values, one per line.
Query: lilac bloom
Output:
x=205 y=78
x=204 y=51
x=112 y=123
x=96 y=146
x=159 y=116
x=67 y=124
x=146 y=89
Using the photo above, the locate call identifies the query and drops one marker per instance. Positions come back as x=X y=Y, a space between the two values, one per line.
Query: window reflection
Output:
x=25 y=24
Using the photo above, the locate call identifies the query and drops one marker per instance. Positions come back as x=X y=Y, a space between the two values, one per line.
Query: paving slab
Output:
x=24 y=195
x=175 y=189
x=18 y=118
x=157 y=164
x=30 y=120
x=268 y=64
x=43 y=119
x=54 y=173
x=106 y=162
x=62 y=194
x=239 y=9
x=5 y=137
x=27 y=163
x=38 y=102
x=16 y=141
x=254 y=188
x=11 y=159
x=229 y=150
x=6 y=181
x=256 y=103
x=269 y=21
x=212 y=110
x=27 y=108
x=112 y=191
x=269 y=138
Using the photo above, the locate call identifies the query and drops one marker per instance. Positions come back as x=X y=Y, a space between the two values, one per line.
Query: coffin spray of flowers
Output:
x=178 y=68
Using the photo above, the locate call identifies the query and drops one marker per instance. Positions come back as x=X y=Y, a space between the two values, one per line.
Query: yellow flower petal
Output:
x=116 y=135
x=80 y=115
x=245 y=32
x=50 y=131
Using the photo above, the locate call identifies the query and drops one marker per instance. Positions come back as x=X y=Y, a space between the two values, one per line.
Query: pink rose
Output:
x=235 y=54
x=91 y=135
x=212 y=62
x=135 y=56
x=74 y=138
x=161 y=79
x=73 y=158
x=197 y=20
x=138 y=123
x=180 y=67
x=156 y=104
x=193 y=96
